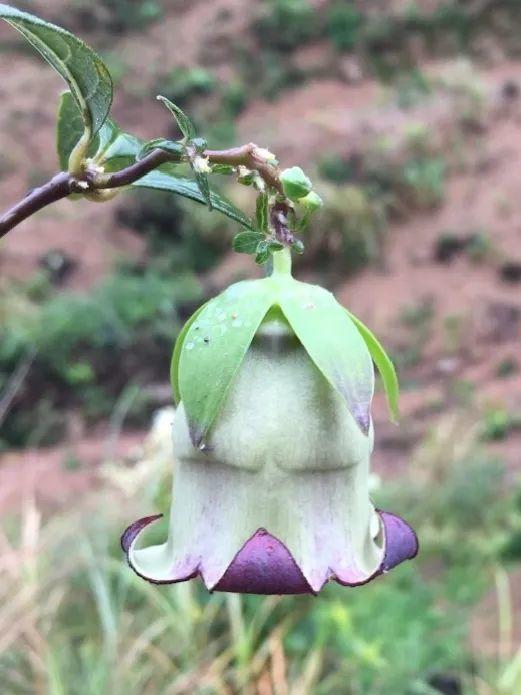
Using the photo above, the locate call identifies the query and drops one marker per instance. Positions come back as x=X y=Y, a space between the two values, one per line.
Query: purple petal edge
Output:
x=264 y=565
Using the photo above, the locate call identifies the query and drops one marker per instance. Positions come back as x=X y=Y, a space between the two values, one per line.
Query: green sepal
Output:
x=176 y=354
x=333 y=342
x=84 y=71
x=213 y=349
x=183 y=121
x=384 y=365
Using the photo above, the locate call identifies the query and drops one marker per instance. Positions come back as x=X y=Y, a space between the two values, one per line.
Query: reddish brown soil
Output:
x=320 y=116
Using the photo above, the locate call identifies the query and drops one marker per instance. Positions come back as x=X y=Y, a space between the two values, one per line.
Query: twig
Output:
x=64 y=183
x=15 y=383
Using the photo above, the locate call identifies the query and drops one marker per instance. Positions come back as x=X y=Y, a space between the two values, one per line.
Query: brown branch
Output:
x=60 y=186
x=63 y=184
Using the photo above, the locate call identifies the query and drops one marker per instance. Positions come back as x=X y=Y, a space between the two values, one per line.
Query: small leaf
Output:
x=214 y=347
x=246 y=242
x=297 y=246
x=86 y=74
x=262 y=252
x=171 y=146
x=262 y=212
x=199 y=144
x=384 y=365
x=333 y=342
x=274 y=246
x=164 y=179
x=204 y=187
x=224 y=169
x=174 y=367
x=185 y=124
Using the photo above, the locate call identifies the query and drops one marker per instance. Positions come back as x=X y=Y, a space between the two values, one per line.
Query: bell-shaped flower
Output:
x=272 y=443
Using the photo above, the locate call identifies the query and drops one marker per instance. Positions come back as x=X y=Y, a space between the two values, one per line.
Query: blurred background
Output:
x=408 y=117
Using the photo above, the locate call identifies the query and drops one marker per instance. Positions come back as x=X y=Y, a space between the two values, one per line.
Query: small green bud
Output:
x=312 y=201
x=295 y=183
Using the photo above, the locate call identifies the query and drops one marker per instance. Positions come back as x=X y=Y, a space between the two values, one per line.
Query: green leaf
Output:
x=163 y=179
x=224 y=169
x=185 y=124
x=204 y=187
x=384 y=365
x=333 y=342
x=86 y=74
x=110 y=147
x=115 y=150
x=262 y=252
x=69 y=129
x=247 y=242
x=214 y=347
x=262 y=212
x=171 y=146
x=174 y=367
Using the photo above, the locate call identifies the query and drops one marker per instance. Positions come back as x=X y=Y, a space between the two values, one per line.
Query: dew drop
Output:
x=190 y=345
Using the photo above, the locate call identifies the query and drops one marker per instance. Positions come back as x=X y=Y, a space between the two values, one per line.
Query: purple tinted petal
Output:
x=131 y=533
x=401 y=542
x=263 y=566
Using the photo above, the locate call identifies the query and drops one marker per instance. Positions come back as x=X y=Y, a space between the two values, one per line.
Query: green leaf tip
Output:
x=212 y=349
x=384 y=365
x=185 y=124
x=84 y=71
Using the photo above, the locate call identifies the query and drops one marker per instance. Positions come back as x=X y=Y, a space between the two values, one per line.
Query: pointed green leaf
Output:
x=163 y=179
x=214 y=347
x=384 y=365
x=174 y=367
x=246 y=242
x=204 y=187
x=185 y=124
x=333 y=342
x=86 y=74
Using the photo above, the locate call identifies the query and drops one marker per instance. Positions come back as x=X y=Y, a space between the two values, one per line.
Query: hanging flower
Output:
x=272 y=441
